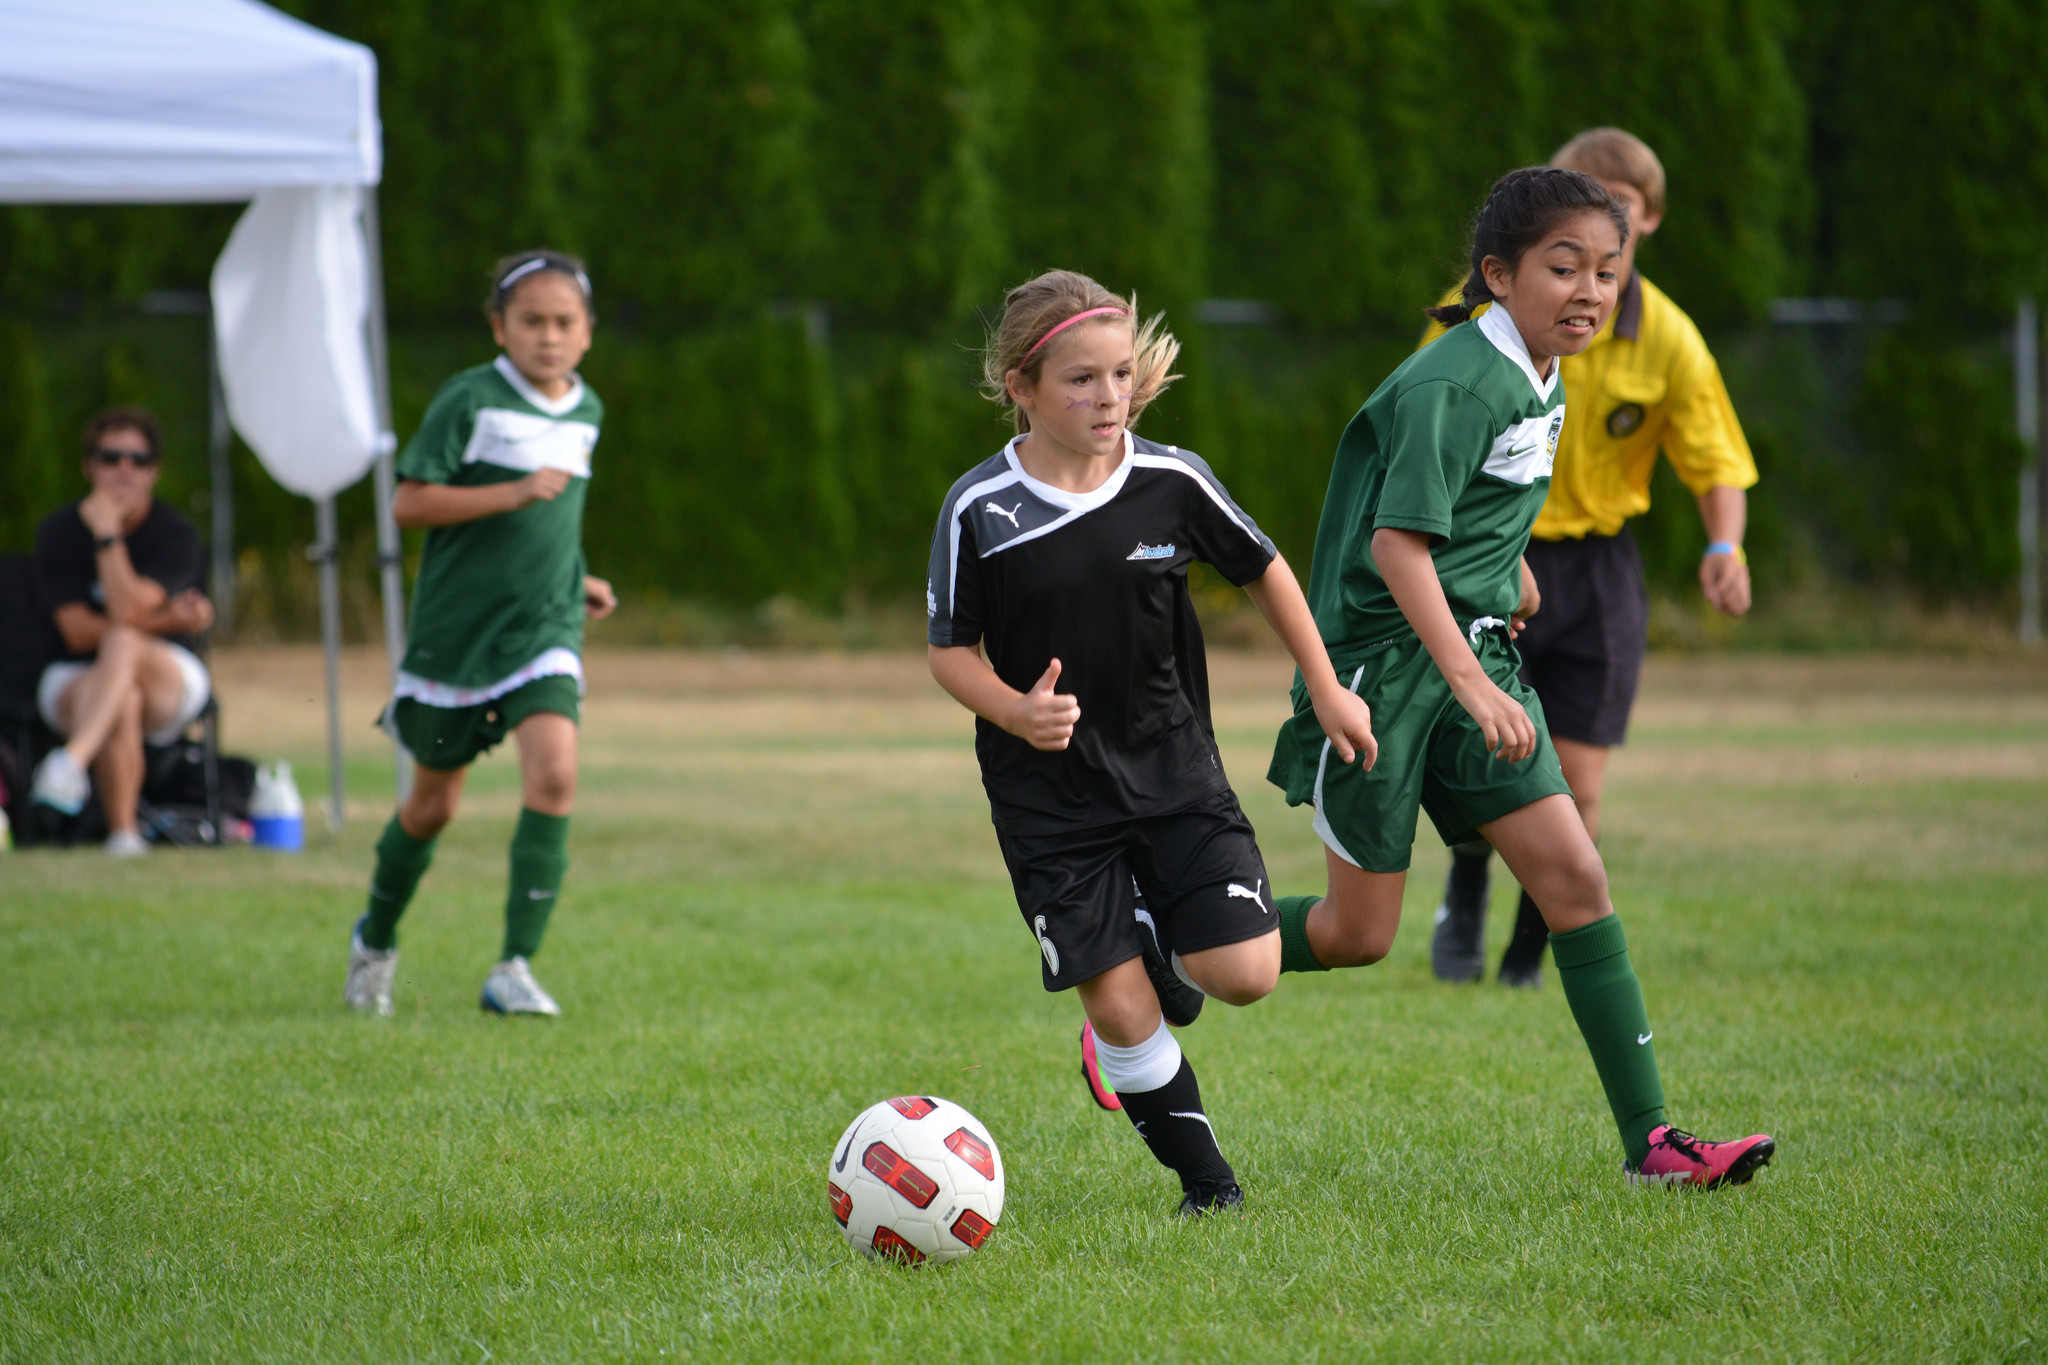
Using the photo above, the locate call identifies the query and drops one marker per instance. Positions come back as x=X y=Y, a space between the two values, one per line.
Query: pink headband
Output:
x=1090 y=313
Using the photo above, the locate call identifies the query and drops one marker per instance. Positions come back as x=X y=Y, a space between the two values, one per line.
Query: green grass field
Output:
x=786 y=904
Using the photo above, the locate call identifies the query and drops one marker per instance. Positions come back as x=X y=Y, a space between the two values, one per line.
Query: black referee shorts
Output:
x=1583 y=650
x=1200 y=869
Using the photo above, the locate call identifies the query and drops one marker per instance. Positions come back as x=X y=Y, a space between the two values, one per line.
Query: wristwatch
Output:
x=105 y=542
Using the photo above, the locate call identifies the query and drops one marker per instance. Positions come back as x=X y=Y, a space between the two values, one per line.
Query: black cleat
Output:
x=1207 y=1196
x=1178 y=1001
x=1521 y=966
x=1457 y=951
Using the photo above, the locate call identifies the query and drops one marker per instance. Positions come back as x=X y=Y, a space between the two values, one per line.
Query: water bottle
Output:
x=276 y=811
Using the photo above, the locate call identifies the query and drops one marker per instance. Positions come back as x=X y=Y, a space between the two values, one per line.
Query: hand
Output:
x=102 y=513
x=1043 y=718
x=1347 y=720
x=1510 y=734
x=598 y=598
x=542 y=485
x=189 y=612
x=1725 y=580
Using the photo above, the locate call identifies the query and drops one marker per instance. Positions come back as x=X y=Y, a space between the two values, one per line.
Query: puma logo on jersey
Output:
x=1045 y=945
x=1145 y=551
x=1247 y=893
x=1011 y=513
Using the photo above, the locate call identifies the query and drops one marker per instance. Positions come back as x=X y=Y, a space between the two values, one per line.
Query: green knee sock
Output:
x=1295 y=954
x=1607 y=1001
x=540 y=855
x=401 y=861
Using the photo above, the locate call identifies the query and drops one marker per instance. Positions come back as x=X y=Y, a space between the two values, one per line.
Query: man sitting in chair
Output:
x=120 y=571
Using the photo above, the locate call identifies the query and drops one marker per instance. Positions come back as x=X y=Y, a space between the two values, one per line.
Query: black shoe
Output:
x=1178 y=1001
x=1521 y=966
x=1206 y=1196
x=1457 y=951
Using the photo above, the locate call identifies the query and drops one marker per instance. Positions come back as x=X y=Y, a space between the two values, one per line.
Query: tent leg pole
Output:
x=2026 y=375
x=390 y=563
x=326 y=552
x=390 y=555
x=222 y=496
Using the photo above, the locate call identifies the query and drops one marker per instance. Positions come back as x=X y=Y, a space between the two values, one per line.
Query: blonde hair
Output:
x=1611 y=154
x=1036 y=308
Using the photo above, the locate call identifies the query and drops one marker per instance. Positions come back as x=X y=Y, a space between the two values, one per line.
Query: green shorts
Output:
x=445 y=738
x=1432 y=755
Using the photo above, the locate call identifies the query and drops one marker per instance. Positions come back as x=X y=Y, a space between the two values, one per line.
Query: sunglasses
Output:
x=141 y=459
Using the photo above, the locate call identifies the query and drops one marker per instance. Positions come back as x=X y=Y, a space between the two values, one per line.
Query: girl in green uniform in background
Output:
x=497 y=474
x=1418 y=586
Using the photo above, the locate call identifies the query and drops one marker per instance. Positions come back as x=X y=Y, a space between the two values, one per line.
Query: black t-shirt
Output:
x=1098 y=581
x=164 y=548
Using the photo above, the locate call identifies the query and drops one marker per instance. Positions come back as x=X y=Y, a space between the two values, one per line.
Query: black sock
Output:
x=1176 y=1128
x=1532 y=935
x=1466 y=888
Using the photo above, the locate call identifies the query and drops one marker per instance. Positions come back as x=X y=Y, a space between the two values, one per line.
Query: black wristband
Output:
x=105 y=542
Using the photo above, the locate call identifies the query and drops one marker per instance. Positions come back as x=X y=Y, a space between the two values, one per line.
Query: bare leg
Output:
x=431 y=805
x=1546 y=847
x=1121 y=1004
x=161 y=683
x=1354 y=925
x=118 y=767
x=547 y=763
x=1585 y=771
x=1237 y=973
x=90 y=708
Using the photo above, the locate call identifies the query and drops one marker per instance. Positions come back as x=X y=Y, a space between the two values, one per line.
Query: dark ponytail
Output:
x=1520 y=211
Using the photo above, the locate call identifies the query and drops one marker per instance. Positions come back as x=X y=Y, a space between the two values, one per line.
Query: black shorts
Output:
x=1200 y=869
x=1583 y=650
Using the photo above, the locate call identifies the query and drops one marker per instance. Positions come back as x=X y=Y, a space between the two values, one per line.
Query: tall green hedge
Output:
x=800 y=213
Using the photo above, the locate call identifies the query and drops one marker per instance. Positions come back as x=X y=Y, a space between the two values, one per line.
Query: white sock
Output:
x=1147 y=1066
x=1182 y=973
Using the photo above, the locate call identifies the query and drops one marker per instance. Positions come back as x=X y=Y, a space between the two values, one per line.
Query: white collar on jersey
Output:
x=1060 y=497
x=553 y=407
x=1497 y=327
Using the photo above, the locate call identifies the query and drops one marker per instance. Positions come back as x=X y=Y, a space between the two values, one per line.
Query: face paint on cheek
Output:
x=1073 y=403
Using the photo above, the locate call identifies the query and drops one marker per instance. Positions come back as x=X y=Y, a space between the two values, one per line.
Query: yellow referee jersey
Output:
x=1647 y=381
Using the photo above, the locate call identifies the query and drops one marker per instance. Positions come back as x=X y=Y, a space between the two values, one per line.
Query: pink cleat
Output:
x=1678 y=1158
x=1091 y=1072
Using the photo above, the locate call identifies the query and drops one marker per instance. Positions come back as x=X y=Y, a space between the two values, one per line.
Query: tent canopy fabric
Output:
x=108 y=101
x=155 y=101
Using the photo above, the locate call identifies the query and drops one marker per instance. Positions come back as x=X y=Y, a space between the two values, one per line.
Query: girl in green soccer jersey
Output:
x=1418 y=587
x=497 y=473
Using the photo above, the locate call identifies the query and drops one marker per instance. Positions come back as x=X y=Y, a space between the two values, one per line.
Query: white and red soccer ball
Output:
x=916 y=1179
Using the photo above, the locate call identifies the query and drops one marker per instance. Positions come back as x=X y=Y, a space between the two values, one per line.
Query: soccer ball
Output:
x=916 y=1179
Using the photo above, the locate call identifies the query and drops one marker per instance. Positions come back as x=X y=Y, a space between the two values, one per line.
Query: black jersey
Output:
x=1098 y=581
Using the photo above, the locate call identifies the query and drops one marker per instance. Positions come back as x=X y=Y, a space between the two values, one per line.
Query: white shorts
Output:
x=198 y=687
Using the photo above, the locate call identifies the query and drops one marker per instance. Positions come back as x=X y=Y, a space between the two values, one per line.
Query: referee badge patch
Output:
x=1624 y=420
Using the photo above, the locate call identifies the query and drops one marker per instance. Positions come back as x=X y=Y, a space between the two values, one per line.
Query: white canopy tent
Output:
x=143 y=101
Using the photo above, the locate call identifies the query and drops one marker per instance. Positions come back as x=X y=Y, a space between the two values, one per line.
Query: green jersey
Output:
x=1456 y=444
x=499 y=600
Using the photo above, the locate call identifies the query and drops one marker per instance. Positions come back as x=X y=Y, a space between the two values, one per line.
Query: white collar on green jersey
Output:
x=1497 y=327
x=553 y=407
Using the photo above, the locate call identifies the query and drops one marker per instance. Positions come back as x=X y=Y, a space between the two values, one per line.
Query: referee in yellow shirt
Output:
x=1646 y=383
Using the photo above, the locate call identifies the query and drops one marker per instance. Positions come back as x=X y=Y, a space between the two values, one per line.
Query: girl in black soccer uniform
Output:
x=1065 y=556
